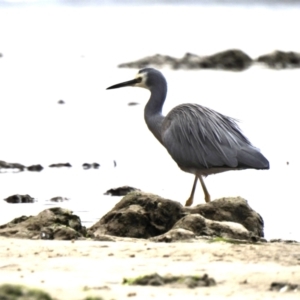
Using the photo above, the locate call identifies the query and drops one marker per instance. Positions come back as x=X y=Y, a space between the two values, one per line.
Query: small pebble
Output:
x=131 y=294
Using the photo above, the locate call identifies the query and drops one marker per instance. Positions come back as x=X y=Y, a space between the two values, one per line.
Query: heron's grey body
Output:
x=200 y=140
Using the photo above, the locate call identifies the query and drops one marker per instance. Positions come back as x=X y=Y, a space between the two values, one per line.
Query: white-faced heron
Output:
x=200 y=140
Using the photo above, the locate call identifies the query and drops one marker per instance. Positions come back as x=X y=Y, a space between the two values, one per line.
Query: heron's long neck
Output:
x=153 y=110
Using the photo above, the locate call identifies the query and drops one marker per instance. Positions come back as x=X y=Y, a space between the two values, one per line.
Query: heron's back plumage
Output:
x=200 y=138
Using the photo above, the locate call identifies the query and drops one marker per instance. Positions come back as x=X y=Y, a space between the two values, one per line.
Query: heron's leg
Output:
x=206 y=194
x=189 y=201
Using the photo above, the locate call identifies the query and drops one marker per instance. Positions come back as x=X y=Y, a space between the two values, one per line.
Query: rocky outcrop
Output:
x=143 y=215
x=235 y=210
x=195 y=225
x=139 y=215
x=54 y=223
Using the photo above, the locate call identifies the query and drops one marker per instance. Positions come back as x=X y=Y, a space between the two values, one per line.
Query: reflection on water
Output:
x=71 y=54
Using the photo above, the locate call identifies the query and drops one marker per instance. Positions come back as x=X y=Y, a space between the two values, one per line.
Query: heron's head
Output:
x=145 y=78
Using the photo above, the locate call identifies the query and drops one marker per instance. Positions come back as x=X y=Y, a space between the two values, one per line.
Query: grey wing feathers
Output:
x=198 y=137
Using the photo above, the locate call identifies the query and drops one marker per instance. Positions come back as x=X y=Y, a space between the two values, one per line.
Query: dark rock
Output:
x=235 y=60
x=60 y=165
x=284 y=241
x=19 y=199
x=157 y=280
x=96 y=165
x=280 y=60
x=59 y=199
x=284 y=287
x=19 y=292
x=6 y=165
x=132 y=103
x=121 y=191
x=53 y=223
x=139 y=215
x=143 y=215
x=232 y=210
x=35 y=168
x=87 y=166
x=115 y=163
x=61 y=102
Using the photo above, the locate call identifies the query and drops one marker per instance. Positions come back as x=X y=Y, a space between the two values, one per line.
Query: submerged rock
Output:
x=54 y=223
x=121 y=191
x=19 y=199
x=87 y=166
x=35 y=168
x=132 y=103
x=60 y=165
x=143 y=215
x=6 y=165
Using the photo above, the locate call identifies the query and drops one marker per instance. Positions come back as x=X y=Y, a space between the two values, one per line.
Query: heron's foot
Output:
x=207 y=198
x=189 y=202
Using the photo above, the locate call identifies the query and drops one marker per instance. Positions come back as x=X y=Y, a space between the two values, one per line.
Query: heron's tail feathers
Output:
x=251 y=157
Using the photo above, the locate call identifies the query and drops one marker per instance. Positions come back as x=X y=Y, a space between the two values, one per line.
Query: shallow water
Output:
x=58 y=52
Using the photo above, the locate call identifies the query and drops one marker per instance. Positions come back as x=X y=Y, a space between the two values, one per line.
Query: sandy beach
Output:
x=77 y=269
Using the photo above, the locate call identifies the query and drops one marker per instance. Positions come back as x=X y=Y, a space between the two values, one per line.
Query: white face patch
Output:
x=143 y=77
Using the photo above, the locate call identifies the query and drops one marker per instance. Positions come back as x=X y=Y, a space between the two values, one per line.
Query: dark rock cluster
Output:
x=280 y=60
x=19 y=199
x=60 y=165
x=147 y=216
x=87 y=166
x=142 y=215
x=232 y=60
x=37 y=168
